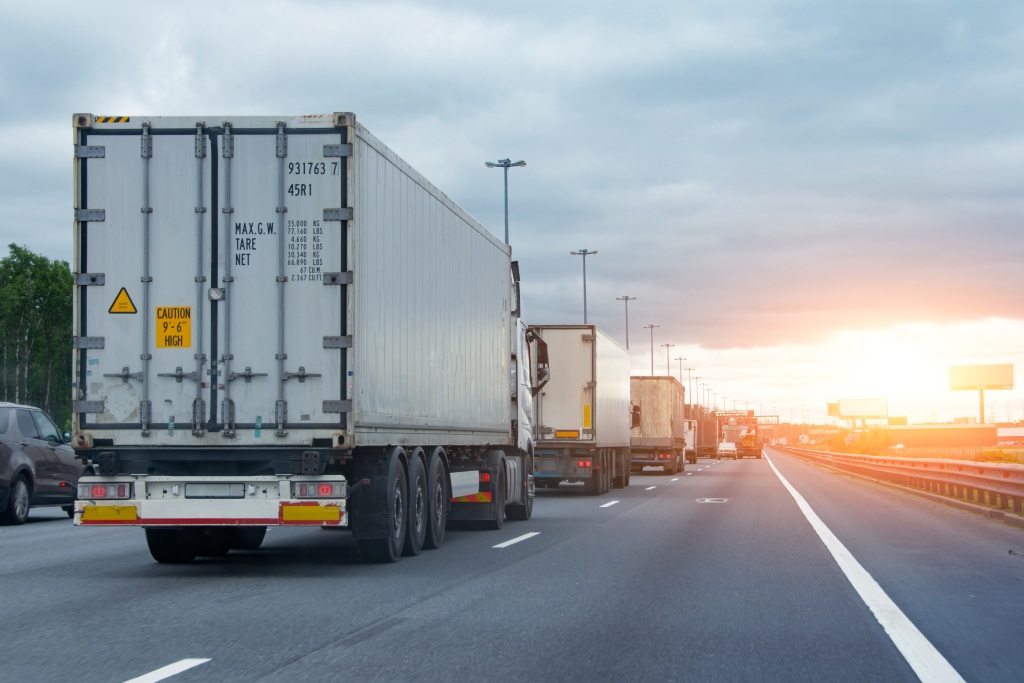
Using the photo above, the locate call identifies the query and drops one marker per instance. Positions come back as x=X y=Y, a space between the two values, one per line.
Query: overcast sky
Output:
x=770 y=178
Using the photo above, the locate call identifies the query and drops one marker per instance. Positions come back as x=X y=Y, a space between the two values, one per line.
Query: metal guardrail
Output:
x=999 y=486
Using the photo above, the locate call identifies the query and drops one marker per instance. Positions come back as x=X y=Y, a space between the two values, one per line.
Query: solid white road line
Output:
x=517 y=539
x=650 y=488
x=168 y=671
x=608 y=505
x=927 y=662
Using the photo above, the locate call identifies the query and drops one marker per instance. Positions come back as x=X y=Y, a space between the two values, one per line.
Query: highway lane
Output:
x=657 y=586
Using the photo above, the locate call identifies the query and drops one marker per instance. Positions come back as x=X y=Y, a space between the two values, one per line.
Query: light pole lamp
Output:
x=668 y=363
x=680 y=360
x=626 y=300
x=584 y=253
x=651 y=328
x=505 y=164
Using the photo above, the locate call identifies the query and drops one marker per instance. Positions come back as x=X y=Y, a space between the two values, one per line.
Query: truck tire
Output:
x=170 y=546
x=247 y=537
x=418 y=517
x=389 y=548
x=498 y=499
x=592 y=486
x=523 y=511
x=437 y=501
x=18 y=503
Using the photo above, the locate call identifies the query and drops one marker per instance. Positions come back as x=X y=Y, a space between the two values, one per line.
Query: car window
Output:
x=26 y=425
x=47 y=429
x=5 y=420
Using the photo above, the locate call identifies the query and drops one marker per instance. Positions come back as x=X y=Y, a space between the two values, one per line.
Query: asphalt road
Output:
x=714 y=574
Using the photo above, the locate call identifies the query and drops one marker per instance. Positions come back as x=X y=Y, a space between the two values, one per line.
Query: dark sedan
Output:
x=36 y=466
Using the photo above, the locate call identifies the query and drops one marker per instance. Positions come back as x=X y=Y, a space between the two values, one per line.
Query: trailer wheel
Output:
x=437 y=501
x=417 y=531
x=389 y=548
x=170 y=546
x=498 y=499
x=523 y=511
x=247 y=537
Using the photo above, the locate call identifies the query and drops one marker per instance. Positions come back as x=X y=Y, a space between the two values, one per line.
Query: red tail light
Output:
x=485 y=477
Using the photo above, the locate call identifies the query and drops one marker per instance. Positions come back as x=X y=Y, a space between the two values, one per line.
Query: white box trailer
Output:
x=659 y=439
x=583 y=411
x=279 y=321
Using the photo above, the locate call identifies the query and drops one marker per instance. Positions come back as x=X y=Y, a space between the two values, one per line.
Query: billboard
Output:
x=973 y=377
x=863 y=408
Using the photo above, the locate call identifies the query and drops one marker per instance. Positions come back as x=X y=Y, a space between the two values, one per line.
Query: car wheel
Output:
x=18 y=504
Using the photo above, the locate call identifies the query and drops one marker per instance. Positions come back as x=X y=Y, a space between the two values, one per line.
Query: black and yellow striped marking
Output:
x=113 y=119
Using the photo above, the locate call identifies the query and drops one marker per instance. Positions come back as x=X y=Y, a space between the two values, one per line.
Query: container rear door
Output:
x=566 y=404
x=211 y=300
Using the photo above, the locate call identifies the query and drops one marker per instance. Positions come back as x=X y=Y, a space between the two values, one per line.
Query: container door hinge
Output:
x=343 y=214
x=89 y=342
x=343 y=150
x=338 y=342
x=90 y=215
x=86 y=279
x=88 y=407
x=90 y=151
x=338 y=278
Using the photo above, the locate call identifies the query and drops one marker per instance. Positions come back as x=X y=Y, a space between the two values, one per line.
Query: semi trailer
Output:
x=659 y=438
x=279 y=322
x=583 y=412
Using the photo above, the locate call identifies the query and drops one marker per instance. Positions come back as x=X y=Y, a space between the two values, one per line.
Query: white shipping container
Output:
x=587 y=398
x=261 y=281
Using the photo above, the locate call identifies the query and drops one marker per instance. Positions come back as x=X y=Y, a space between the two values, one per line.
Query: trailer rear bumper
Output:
x=150 y=501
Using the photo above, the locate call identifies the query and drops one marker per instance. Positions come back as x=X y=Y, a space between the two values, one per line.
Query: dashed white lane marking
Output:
x=168 y=671
x=517 y=539
x=927 y=662
x=689 y=474
x=650 y=488
x=608 y=505
x=674 y=479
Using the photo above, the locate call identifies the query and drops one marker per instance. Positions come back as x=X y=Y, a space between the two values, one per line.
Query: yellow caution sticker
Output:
x=173 y=327
x=567 y=433
x=122 y=303
x=586 y=416
x=112 y=119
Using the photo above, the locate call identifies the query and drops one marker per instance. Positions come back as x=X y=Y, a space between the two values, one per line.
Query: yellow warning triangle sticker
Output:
x=122 y=303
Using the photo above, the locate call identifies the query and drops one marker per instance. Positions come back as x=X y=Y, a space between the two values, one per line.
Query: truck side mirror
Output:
x=634 y=416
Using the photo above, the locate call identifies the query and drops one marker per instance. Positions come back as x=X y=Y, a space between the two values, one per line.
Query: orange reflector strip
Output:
x=475 y=498
x=567 y=434
x=109 y=513
x=310 y=513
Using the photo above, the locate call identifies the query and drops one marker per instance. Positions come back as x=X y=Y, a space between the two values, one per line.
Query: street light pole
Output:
x=584 y=253
x=668 y=363
x=626 y=300
x=505 y=164
x=651 y=328
x=688 y=389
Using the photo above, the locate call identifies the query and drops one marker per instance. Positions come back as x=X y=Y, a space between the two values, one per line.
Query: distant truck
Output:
x=707 y=438
x=750 y=444
x=690 y=439
x=297 y=329
x=659 y=440
x=583 y=410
